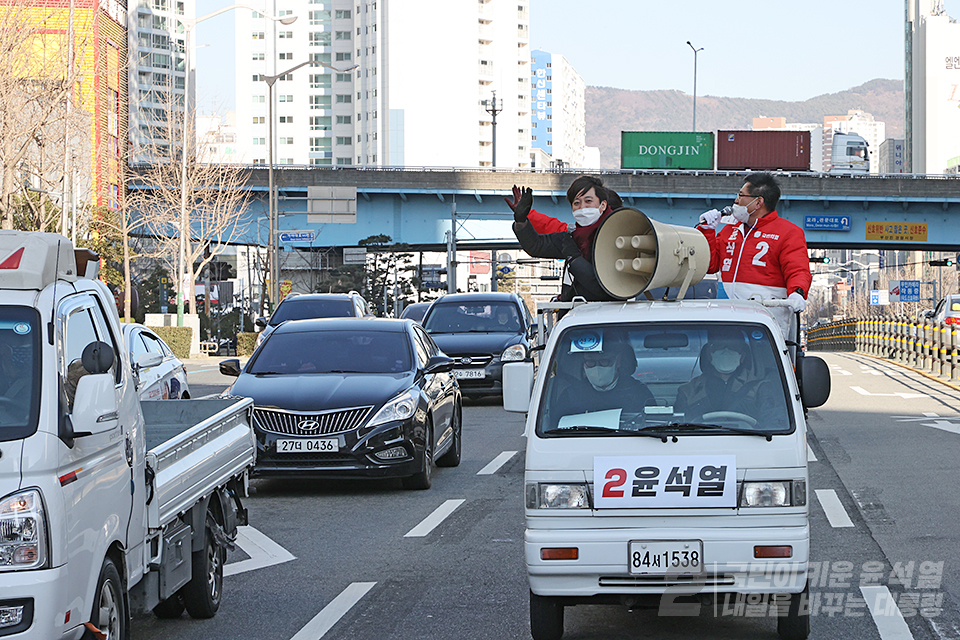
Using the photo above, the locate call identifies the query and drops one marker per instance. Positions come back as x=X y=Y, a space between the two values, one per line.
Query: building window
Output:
x=342 y=35
x=161 y=60
x=286 y=56
x=319 y=17
x=346 y=160
x=343 y=140
x=358 y=95
x=286 y=119
x=344 y=119
x=256 y=77
x=344 y=77
x=358 y=137
x=320 y=144
x=319 y=102
x=259 y=99
x=259 y=141
x=287 y=98
x=342 y=14
x=258 y=35
x=316 y=161
x=286 y=140
x=257 y=57
x=259 y=120
x=318 y=80
x=320 y=123
x=343 y=99
x=319 y=38
x=285 y=35
x=343 y=56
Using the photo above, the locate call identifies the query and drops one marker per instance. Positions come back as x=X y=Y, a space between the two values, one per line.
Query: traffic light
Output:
x=822 y=259
x=941 y=263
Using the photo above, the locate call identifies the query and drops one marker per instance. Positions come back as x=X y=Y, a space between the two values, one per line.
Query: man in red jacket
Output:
x=759 y=254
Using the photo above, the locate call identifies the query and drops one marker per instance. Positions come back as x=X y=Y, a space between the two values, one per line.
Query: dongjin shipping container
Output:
x=770 y=150
x=666 y=150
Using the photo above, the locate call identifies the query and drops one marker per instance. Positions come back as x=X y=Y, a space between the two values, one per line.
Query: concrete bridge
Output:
x=417 y=206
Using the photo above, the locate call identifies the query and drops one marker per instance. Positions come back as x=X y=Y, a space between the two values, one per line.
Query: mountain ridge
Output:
x=610 y=111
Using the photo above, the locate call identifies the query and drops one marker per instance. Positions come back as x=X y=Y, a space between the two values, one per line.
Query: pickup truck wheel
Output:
x=452 y=457
x=109 y=613
x=169 y=609
x=546 y=618
x=795 y=625
x=424 y=478
x=201 y=596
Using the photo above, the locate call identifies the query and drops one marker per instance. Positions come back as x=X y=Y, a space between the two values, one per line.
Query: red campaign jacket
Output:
x=772 y=263
x=543 y=224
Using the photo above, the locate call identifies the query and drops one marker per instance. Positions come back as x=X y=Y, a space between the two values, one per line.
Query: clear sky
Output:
x=772 y=49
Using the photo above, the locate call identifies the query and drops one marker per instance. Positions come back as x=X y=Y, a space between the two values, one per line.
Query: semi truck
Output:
x=108 y=504
x=728 y=150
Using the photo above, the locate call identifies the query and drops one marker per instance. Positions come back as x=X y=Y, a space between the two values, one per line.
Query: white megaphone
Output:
x=633 y=254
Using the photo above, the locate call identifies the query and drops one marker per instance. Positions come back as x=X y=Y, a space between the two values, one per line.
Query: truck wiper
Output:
x=609 y=430
x=696 y=426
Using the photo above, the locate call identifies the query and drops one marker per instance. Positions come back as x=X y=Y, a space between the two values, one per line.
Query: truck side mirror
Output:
x=517 y=386
x=95 y=405
x=815 y=378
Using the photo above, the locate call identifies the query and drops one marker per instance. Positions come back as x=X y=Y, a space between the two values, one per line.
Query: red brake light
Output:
x=13 y=262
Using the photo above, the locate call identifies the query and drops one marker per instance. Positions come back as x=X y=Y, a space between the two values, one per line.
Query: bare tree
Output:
x=217 y=200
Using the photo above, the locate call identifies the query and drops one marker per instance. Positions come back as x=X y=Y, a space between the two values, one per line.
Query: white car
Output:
x=160 y=374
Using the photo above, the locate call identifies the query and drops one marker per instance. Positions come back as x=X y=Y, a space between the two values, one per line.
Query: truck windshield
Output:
x=679 y=379
x=19 y=372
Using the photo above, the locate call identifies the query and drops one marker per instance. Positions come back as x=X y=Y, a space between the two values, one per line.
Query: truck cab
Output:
x=850 y=154
x=666 y=461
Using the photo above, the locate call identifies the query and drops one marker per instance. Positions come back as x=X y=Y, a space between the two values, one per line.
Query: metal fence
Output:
x=925 y=345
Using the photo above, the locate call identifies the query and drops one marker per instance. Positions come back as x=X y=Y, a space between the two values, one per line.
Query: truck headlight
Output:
x=557 y=496
x=23 y=526
x=514 y=353
x=774 y=493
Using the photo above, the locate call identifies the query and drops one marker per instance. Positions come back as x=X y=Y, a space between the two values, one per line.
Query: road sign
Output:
x=827 y=223
x=504 y=269
x=909 y=291
x=354 y=255
x=880 y=297
x=303 y=235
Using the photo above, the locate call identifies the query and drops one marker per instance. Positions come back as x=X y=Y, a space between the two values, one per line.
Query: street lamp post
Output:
x=695 y=51
x=188 y=26
x=491 y=108
x=273 y=248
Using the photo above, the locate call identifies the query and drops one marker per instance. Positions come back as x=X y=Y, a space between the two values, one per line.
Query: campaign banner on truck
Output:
x=656 y=482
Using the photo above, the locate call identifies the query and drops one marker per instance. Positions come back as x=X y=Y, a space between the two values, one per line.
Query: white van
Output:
x=666 y=461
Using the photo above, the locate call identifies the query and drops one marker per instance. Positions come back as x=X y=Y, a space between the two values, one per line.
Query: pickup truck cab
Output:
x=105 y=504
x=666 y=461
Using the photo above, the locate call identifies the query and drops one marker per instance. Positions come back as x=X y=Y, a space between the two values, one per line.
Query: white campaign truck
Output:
x=850 y=154
x=106 y=505
x=666 y=461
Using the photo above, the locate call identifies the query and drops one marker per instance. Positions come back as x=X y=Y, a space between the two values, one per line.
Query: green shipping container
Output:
x=666 y=150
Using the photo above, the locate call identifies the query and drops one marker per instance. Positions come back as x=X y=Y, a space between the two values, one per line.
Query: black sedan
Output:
x=481 y=331
x=359 y=397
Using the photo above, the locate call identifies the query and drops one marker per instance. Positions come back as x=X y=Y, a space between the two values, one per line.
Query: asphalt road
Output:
x=368 y=560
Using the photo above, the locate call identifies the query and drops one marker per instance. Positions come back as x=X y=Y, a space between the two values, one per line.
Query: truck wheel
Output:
x=795 y=625
x=452 y=457
x=424 y=478
x=169 y=609
x=201 y=596
x=109 y=613
x=546 y=618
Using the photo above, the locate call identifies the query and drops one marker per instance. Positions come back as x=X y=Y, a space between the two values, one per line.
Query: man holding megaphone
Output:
x=758 y=254
x=589 y=200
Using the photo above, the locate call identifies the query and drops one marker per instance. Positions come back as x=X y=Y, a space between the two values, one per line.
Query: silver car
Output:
x=160 y=375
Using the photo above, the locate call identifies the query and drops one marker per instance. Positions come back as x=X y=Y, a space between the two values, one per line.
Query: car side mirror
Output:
x=230 y=367
x=815 y=381
x=261 y=323
x=439 y=364
x=147 y=360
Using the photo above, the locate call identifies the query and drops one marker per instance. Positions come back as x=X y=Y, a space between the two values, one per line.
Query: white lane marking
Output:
x=202 y=370
x=431 y=521
x=943 y=425
x=331 y=614
x=496 y=463
x=905 y=396
x=886 y=614
x=810 y=455
x=931 y=415
x=840 y=371
x=263 y=552
x=833 y=508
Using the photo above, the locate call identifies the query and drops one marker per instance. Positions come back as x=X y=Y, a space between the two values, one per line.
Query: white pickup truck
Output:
x=106 y=505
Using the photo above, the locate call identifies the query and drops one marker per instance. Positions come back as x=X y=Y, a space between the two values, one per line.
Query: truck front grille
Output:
x=310 y=424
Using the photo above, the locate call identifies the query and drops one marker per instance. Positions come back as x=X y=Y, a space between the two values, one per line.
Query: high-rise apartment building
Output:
x=157 y=77
x=558 y=98
x=416 y=97
x=931 y=87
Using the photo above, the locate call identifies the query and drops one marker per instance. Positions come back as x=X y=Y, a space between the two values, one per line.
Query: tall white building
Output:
x=157 y=78
x=932 y=87
x=217 y=138
x=424 y=69
x=558 y=98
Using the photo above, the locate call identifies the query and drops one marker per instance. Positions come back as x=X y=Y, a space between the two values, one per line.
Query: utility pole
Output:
x=695 y=51
x=493 y=110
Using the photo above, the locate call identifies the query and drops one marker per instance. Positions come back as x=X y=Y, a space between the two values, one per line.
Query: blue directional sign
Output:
x=297 y=236
x=909 y=291
x=827 y=223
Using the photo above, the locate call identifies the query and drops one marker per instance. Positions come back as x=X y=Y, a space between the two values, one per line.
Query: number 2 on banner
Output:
x=610 y=488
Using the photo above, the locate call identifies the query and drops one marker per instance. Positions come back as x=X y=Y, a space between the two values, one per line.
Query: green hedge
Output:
x=178 y=338
x=246 y=343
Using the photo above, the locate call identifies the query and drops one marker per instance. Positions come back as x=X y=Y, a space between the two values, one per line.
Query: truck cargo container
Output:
x=666 y=150
x=765 y=150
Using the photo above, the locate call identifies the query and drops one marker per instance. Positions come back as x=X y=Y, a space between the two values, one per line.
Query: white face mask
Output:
x=600 y=377
x=586 y=216
x=740 y=212
x=725 y=360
